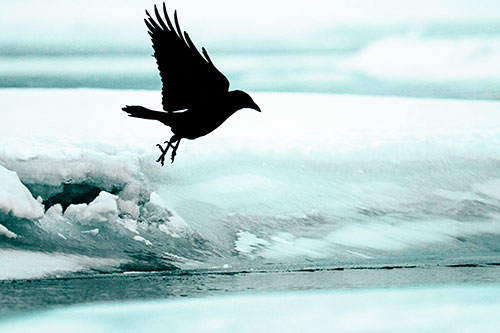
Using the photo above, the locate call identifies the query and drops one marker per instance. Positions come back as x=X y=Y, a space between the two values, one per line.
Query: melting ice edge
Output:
x=316 y=180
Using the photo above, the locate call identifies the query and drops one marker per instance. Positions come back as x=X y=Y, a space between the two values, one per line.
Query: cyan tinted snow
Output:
x=338 y=180
x=414 y=48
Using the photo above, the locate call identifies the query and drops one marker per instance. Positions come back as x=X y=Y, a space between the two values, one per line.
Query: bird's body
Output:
x=195 y=93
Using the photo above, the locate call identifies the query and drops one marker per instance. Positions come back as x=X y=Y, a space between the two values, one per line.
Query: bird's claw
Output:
x=161 y=159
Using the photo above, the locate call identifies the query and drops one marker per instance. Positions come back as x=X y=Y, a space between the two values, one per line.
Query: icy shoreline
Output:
x=332 y=179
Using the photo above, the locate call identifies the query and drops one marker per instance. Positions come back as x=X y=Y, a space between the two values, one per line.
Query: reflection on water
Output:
x=45 y=293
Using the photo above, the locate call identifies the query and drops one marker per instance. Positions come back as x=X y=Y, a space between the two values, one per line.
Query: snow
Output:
x=421 y=309
x=130 y=225
x=129 y=207
x=331 y=177
x=248 y=242
x=142 y=239
x=22 y=264
x=15 y=198
x=6 y=232
x=119 y=144
x=104 y=208
x=175 y=226
x=389 y=237
x=91 y=231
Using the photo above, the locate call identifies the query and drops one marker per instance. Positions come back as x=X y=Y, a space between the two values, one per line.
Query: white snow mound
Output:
x=16 y=199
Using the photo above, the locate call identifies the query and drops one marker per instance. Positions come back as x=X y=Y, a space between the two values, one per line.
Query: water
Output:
x=43 y=294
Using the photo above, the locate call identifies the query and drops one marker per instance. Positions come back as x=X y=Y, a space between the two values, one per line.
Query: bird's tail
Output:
x=141 y=112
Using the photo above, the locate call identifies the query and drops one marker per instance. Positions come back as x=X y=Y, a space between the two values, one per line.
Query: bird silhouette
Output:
x=195 y=95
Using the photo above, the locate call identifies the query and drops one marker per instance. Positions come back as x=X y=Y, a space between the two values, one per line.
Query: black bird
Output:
x=191 y=83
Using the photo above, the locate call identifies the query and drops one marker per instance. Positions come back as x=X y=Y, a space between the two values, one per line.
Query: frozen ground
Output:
x=329 y=180
x=317 y=192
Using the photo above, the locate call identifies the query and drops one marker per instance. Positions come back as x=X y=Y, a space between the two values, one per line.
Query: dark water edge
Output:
x=21 y=296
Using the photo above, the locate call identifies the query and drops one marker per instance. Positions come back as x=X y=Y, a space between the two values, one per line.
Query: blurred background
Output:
x=421 y=48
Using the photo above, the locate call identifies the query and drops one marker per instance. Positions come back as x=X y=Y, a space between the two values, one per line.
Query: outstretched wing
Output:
x=187 y=76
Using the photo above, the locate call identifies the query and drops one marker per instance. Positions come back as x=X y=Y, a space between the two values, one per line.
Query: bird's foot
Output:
x=161 y=159
x=172 y=158
x=174 y=151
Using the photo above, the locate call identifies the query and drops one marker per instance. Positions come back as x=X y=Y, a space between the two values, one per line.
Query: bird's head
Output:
x=242 y=100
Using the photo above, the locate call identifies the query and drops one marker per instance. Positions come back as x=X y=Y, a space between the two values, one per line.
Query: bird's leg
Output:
x=161 y=159
x=174 y=150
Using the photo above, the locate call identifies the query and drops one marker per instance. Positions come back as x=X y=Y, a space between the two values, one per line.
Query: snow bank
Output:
x=21 y=264
x=312 y=177
x=104 y=208
x=15 y=198
x=424 y=309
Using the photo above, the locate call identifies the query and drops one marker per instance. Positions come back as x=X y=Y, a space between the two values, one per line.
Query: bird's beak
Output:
x=255 y=107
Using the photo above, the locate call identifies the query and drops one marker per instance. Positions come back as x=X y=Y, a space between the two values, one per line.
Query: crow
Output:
x=195 y=94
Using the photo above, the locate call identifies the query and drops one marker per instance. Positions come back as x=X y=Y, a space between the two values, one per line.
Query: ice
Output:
x=489 y=188
x=6 y=232
x=175 y=226
x=22 y=264
x=420 y=309
x=142 y=239
x=248 y=242
x=15 y=198
x=94 y=231
x=391 y=237
x=338 y=178
x=104 y=208
x=129 y=207
x=130 y=225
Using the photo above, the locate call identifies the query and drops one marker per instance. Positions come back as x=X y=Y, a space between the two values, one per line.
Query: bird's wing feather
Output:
x=188 y=77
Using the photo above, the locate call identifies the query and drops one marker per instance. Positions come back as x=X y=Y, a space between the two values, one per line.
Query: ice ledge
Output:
x=16 y=199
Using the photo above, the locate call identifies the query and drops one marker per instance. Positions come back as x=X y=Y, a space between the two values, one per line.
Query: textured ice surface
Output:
x=15 y=198
x=22 y=264
x=6 y=232
x=328 y=179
